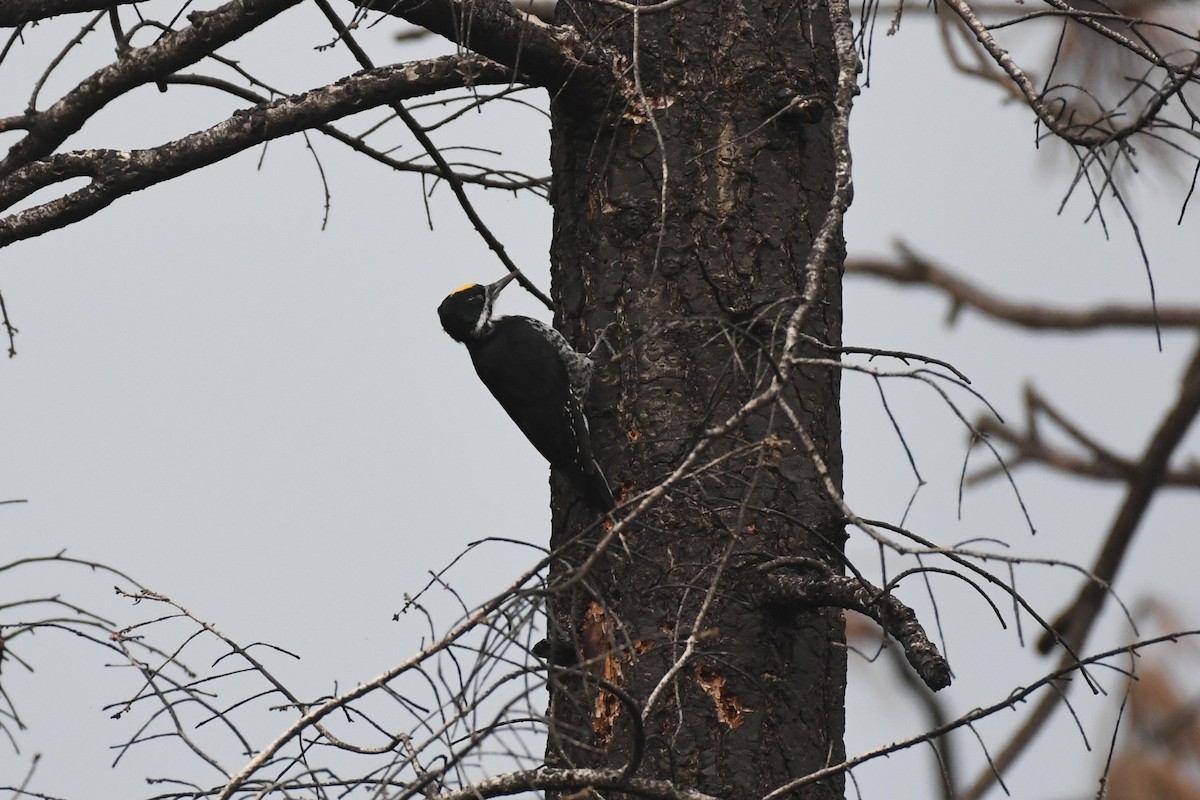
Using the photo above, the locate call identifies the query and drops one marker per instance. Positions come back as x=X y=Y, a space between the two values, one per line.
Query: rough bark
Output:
x=700 y=280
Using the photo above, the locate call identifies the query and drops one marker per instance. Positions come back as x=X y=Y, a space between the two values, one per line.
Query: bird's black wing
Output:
x=526 y=374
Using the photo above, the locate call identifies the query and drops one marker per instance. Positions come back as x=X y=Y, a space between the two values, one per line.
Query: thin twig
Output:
x=446 y=173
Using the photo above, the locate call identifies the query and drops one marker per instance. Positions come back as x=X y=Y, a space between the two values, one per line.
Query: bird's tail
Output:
x=584 y=473
x=593 y=486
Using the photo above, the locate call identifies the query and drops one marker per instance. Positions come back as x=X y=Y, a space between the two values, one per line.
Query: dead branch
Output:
x=1029 y=447
x=809 y=582
x=548 y=56
x=914 y=269
x=116 y=173
x=208 y=31
x=13 y=14
x=488 y=178
x=1074 y=622
x=1091 y=134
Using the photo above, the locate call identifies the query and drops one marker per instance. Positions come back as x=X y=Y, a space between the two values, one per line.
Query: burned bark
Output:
x=687 y=203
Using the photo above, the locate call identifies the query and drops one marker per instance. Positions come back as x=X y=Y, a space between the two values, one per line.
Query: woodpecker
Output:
x=539 y=379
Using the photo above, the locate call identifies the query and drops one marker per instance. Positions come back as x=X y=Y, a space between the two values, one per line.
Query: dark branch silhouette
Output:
x=114 y=173
x=915 y=270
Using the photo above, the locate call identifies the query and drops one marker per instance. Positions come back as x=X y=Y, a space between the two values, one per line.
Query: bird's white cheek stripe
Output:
x=484 y=317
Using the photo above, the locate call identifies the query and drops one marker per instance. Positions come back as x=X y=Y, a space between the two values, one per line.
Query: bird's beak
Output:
x=493 y=289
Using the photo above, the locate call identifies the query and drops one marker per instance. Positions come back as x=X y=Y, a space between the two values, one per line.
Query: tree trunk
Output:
x=701 y=279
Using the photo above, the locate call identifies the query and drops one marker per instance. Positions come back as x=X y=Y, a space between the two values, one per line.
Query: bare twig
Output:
x=9 y=328
x=1085 y=134
x=445 y=172
x=1012 y=700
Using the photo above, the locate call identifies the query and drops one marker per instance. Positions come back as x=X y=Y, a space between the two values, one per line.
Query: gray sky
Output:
x=264 y=421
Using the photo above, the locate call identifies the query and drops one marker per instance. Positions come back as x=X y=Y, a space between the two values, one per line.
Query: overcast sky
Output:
x=263 y=419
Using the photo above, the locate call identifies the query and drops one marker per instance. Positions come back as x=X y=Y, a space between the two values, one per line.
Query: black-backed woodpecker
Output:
x=539 y=379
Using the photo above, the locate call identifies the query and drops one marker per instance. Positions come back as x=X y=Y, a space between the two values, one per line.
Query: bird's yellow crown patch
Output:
x=464 y=287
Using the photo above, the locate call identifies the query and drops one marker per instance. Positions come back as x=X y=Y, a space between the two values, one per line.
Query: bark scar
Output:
x=730 y=709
